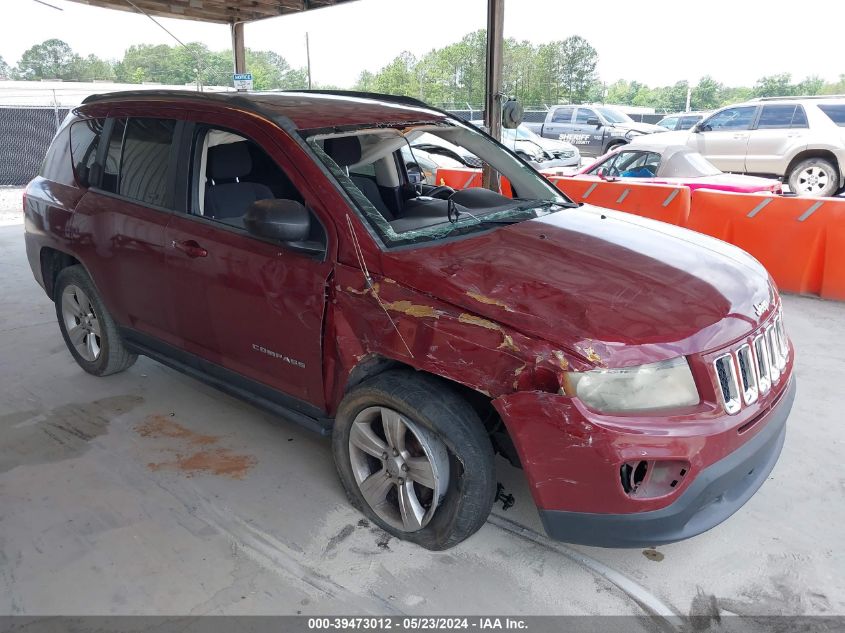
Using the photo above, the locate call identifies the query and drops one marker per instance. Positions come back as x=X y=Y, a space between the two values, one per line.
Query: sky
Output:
x=735 y=41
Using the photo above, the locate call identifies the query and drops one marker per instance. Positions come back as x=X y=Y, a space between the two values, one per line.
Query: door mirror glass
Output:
x=283 y=220
x=594 y=121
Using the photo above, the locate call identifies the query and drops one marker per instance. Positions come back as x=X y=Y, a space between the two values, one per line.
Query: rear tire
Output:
x=89 y=331
x=432 y=483
x=814 y=177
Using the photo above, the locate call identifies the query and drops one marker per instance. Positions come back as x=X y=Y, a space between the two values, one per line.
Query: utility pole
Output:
x=493 y=76
x=308 y=58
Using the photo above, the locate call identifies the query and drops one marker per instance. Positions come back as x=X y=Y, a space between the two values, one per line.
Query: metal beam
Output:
x=238 y=48
x=493 y=81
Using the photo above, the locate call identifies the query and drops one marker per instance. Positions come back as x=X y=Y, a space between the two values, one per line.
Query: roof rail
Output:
x=364 y=95
x=786 y=98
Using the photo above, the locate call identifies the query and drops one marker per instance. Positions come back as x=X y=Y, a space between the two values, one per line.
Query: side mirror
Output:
x=594 y=121
x=283 y=220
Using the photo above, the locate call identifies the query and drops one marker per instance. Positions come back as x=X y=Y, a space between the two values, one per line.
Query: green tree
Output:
x=707 y=94
x=835 y=88
x=775 y=86
x=578 y=68
x=51 y=59
x=92 y=67
x=811 y=85
x=5 y=71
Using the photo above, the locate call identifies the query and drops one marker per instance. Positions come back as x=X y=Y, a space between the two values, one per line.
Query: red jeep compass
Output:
x=281 y=248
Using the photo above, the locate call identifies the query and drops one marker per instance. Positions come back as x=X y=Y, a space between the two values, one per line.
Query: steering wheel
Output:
x=438 y=192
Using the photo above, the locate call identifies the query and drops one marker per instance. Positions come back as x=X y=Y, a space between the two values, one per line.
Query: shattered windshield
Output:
x=403 y=204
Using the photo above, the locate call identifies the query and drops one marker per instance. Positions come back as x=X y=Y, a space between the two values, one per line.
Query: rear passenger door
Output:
x=560 y=123
x=779 y=130
x=120 y=223
x=246 y=305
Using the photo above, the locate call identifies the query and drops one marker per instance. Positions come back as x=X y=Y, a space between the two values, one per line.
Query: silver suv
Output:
x=798 y=139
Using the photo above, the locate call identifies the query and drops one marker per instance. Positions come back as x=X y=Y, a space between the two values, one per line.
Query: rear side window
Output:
x=835 y=112
x=782 y=116
x=57 y=163
x=84 y=142
x=583 y=115
x=562 y=115
x=138 y=159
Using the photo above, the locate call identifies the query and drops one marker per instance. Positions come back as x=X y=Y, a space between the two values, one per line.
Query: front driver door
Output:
x=249 y=305
x=723 y=138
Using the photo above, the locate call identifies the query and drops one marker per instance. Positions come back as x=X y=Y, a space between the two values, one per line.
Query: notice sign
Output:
x=243 y=81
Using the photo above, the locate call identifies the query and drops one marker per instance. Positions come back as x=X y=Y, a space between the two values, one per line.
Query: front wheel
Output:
x=814 y=177
x=414 y=457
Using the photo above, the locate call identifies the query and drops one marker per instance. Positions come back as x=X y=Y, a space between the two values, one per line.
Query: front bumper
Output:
x=716 y=493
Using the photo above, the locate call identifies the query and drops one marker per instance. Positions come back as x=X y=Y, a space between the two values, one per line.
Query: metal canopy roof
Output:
x=221 y=11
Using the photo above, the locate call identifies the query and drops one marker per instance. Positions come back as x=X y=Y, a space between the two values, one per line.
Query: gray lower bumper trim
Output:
x=716 y=493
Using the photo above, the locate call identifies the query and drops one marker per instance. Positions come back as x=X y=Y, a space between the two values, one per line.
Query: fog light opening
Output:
x=649 y=479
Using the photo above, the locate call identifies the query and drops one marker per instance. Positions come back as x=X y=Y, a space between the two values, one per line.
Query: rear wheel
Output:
x=88 y=329
x=414 y=457
x=814 y=177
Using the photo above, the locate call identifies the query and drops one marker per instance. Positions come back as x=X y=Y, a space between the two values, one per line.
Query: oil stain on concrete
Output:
x=194 y=453
x=64 y=432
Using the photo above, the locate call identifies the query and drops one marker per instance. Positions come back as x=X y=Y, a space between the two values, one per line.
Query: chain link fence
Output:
x=25 y=135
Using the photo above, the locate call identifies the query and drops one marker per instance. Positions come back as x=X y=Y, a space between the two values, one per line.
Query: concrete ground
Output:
x=149 y=493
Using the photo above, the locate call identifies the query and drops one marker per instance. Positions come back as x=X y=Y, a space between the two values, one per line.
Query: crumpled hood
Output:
x=632 y=289
x=645 y=128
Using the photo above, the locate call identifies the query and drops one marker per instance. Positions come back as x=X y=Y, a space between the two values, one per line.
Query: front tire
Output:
x=89 y=331
x=415 y=458
x=814 y=177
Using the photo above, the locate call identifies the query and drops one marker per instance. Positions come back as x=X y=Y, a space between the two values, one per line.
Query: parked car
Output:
x=681 y=121
x=594 y=130
x=546 y=152
x=798 y=139
x=528 y=150
x=274 y=246
x=672 y=164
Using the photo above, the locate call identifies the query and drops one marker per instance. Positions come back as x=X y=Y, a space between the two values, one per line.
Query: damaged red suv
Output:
x=283 y=248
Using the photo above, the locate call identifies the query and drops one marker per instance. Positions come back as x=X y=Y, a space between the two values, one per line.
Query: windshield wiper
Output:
x=539 y=204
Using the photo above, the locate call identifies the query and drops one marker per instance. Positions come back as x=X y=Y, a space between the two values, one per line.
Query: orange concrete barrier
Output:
x=800 y=241
x=667 y=203
x=458 y=178
x=464 y=178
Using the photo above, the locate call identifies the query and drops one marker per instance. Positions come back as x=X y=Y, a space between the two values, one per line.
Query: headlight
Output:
x=665 y=385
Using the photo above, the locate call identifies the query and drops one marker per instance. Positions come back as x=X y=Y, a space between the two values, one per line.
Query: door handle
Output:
x=190 y=248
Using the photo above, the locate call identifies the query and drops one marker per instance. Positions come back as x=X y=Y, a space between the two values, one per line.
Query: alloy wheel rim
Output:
x=401 y=468
x=813 y=180
x=81 y=323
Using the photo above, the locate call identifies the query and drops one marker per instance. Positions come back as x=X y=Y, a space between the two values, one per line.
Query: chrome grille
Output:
x=726 y=373
x=764 y=376
x=747 y=375
x=774 y=353
x=749 y=372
